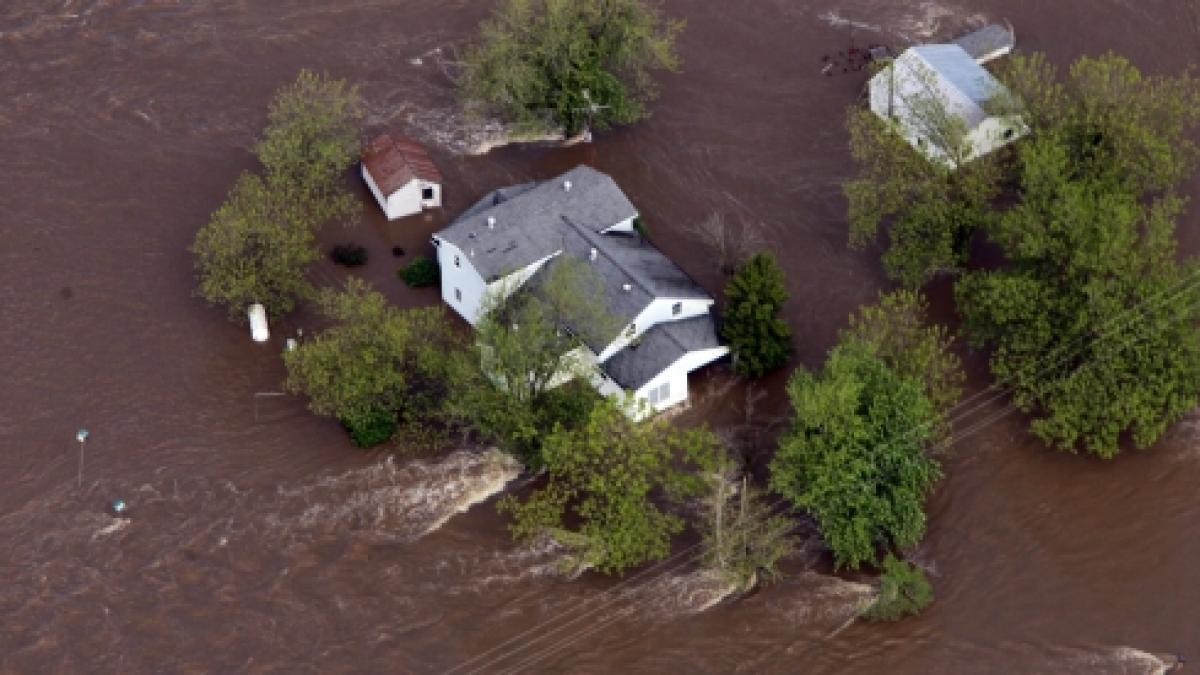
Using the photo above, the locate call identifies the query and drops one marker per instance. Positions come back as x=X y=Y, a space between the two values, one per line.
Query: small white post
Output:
x=81 y=436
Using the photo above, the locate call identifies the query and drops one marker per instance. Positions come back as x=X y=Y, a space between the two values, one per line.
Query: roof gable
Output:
x=394 y=161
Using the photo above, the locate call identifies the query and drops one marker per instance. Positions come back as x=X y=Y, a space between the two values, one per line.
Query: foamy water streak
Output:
x=404 y=501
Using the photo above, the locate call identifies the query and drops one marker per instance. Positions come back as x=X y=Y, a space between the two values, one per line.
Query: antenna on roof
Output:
x=590 y=108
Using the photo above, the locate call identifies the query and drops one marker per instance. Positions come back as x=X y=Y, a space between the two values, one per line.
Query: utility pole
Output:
x=81 y=436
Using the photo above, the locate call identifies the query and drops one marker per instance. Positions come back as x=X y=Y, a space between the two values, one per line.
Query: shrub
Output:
x=903 y=590
x=420 y=272
x=350 y=255
x=639 y=226
x=369 y=430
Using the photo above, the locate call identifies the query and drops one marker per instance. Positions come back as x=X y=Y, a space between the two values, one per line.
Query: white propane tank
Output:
x=258 y=322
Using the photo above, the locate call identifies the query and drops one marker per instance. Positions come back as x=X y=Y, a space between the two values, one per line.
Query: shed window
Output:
x=1008 y=134
x=458 y=294
x=427 y=193
x=677 y=309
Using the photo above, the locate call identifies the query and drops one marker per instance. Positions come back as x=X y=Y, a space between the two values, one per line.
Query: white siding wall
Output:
x=374 y=188
x=460 y=277
x=404 y=202
x=676 y=379
x=407 y=200
x=658 y=311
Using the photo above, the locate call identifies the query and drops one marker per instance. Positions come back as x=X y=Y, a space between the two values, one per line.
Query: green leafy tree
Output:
x=931 y=209
x=603 y=480
x=904 y=590
x=256 y=248
x=376 y=366
x=312 y=137
x=1093 y=322
x=896 y=328
x=855 y=455
x=530 y=338
x=1116 y=124
x=569 y=63
x=754 y=297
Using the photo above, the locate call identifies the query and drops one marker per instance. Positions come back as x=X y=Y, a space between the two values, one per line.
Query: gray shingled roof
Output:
x=965 y=83
x=529 y=219
x=987 y=43
x=660 y=347
x=537 y=220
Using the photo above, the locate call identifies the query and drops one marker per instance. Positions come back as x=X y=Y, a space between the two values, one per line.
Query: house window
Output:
x=457 y=262
x=677 y=309
x=458 y=294
x=664 y=392
x=652 y=396
x=427 y=193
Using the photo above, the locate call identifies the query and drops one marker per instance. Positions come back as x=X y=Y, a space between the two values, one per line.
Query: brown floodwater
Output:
x=260 y=541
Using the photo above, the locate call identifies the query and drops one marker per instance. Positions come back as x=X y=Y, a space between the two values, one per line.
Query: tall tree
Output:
x=1115 y=124
x=312 y=136
x=744 y=539
x=855 y=455
x=530 y=338
x=256 y=248
x=754 y=297
x=1093 y=322
x=602 y=481
x=377 y=366
x=896 y=327
x=569 y=63
x=931 y=209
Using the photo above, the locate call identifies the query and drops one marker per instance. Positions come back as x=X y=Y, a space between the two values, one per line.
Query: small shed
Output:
x=401 y=176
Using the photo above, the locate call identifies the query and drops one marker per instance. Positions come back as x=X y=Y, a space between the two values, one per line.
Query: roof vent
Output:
x=628 y=287
x=566 y=186
x=472 y=253
x=593 y=254
x=491 y=222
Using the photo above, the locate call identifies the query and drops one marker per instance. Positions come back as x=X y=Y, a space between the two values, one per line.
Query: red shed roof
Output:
x=393 y=161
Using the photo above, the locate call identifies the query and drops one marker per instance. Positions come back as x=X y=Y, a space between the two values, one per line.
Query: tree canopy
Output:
x=569 y=63
x=528 y=337
x=258 y=245
x=1093 y=323
x=896 y=327
x=256 y=248
x=602 y=481
x=375 y=361
x=855 y=455
x=759 y=340
x=312 y=136
x=931 y=209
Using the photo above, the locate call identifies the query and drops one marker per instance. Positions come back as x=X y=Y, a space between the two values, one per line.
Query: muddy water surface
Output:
x=260 y=541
